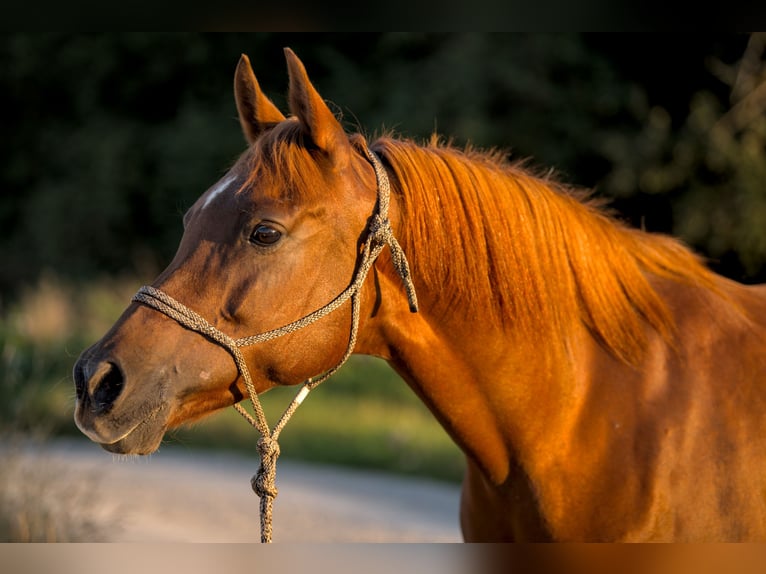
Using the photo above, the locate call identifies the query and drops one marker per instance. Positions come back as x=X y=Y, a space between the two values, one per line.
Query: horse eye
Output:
x=265 y=235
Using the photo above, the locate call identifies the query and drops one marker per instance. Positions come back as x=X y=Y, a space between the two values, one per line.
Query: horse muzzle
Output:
x=107 y=417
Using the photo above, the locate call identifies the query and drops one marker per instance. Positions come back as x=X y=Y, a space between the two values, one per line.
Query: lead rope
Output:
x=379 y=235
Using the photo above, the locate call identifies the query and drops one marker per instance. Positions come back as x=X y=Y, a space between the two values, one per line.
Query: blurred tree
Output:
x=712 y=167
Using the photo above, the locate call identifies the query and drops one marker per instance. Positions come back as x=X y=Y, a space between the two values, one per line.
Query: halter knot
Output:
x=381 y=234
x=264 y=481
x=380 y=230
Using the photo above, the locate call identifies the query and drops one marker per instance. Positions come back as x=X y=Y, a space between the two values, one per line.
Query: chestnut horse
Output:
x=603 y=384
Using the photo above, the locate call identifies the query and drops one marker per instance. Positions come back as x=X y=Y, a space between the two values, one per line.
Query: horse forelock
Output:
x=526 y=252
x=285 y=165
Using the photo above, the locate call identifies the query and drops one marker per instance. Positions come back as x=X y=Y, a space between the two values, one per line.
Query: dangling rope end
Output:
x=409 y=286
x=403 y=269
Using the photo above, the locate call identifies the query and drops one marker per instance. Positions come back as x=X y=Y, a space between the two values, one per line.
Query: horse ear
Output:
x=317 y=120
x=256 y=112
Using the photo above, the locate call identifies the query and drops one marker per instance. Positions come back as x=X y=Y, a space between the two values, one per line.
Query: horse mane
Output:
x=526 y=251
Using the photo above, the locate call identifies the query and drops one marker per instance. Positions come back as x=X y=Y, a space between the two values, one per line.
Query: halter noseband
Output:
x=379 y=234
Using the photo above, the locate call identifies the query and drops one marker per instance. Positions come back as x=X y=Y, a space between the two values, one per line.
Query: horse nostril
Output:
x=80 y=382
x=108 y=388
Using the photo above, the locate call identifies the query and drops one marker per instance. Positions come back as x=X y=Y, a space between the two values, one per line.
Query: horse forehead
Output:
x=224 y=186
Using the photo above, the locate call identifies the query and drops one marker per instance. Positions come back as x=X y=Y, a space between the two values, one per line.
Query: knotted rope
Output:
x=379 y=236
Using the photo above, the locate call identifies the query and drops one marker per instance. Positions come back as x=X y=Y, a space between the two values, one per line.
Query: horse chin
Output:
x=135 y=444
x=144 y=438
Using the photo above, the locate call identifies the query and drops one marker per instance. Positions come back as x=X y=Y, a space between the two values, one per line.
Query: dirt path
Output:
x=203 y=496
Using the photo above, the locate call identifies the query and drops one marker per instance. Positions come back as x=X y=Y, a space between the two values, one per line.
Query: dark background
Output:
x=106 y=139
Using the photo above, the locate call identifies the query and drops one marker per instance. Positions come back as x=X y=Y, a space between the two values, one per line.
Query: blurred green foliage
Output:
x=41 y=334
x=108 y=138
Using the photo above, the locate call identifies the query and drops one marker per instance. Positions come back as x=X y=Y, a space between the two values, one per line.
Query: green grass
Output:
x=364 y=417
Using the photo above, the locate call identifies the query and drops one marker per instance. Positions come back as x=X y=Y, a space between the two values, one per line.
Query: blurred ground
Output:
x=203 y=496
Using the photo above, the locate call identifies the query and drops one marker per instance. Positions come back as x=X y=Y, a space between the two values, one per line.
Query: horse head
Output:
x=277 y=237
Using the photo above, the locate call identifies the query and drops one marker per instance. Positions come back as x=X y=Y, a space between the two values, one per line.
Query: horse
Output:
x=603 y=383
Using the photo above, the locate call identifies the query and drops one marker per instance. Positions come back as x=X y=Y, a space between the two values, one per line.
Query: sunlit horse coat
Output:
x=603 y=384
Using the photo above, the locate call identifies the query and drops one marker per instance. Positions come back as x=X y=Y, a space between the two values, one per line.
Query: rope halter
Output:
x=379 y=236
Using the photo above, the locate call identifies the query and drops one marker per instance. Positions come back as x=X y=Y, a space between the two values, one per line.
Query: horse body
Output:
x=602 y=383
x=670 y=451
x=594 y=448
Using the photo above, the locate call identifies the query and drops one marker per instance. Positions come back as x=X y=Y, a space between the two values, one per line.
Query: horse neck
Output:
x=497 y=395
x=518 y=282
